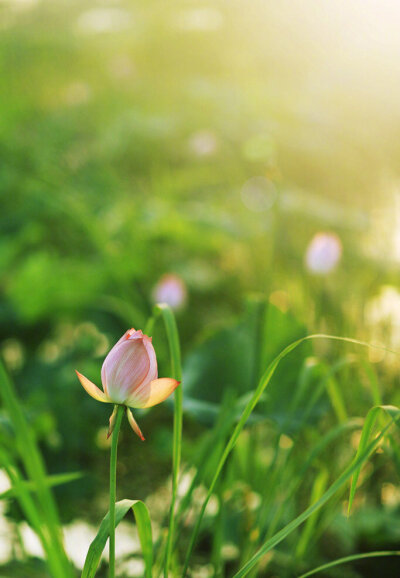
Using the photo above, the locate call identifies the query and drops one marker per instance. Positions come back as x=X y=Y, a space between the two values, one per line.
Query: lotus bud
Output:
x=129 y=377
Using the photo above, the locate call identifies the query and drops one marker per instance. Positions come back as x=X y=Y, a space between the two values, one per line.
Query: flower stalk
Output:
x=120 y=410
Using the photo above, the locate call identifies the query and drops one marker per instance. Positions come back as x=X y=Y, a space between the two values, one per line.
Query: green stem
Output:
x=176 y=370
x=113 y=487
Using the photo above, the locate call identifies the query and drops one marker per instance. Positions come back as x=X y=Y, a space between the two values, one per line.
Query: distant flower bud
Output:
x=323 y=253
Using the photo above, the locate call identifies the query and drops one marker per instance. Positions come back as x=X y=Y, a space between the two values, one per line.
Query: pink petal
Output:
x=92 y=389
x=125 y=337
x=125 y=368
x=134 y=425
x=154 y=393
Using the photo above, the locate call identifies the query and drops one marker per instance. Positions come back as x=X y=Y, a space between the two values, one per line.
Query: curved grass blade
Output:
x=341 y=480
x=365 y=436
x=143 y=523
x=265 y=379
x=176 y=370
x=350 y=559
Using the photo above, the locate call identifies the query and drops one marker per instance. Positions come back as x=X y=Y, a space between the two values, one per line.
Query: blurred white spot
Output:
x=204 y=571
x=212 y=507
x=323 y=253
x=382 y=314
x=77 y=93
x=78 y=537
x=5 y=527
x=132 y=568
x=24 y=3
x=229 y=551
x=203 y=143
x=104 y=20
x=32 y=544
x=5 y=483
x=185 y=482
x=258 y=194
x=201 y=19
x=390 y=495
x=170 y=289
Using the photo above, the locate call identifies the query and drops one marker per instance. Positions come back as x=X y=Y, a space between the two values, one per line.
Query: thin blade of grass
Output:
x=265 y=379
x=176 y=368
x=51 y=481
x=318 y=490
x=347 y=559
x=365 y=435
x=143 y=523
x=343 y=478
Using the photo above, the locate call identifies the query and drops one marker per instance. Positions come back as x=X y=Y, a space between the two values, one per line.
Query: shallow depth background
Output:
x=207 y=141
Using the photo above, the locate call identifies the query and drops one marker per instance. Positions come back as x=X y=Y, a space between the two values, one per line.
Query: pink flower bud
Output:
x=323 y=253
x=129 y=376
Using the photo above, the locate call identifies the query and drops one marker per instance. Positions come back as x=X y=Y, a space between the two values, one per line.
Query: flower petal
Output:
x=124 y=369
x=125 y=337
x=111 y=426
x=134 y=424
x=92 y=389
x=155 y=392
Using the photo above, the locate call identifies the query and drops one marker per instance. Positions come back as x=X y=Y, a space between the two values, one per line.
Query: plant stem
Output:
x=176 y=370
x=113 y=487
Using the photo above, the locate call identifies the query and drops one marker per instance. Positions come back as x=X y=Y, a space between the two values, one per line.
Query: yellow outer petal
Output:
x=92 y=389
x=160 y=389
x=134 y=424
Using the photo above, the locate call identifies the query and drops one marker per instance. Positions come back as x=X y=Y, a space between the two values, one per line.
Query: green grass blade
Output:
x=349 y=559
x=27 y=504
x=318 y=490
x=176 y=369
x=265 y=379
x=51 y=481
x=143 y=523
x=343 y=478
x=33 y=463
x=365 y=436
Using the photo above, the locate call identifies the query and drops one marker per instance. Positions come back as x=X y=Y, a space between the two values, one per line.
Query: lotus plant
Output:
x=129 y=377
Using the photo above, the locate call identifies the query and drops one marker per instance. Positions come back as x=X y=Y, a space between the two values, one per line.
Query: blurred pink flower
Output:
x=170 y=289
x=323 y=253
x=129 y=377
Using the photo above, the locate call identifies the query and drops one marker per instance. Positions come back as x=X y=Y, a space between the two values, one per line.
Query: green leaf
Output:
x=143 y=523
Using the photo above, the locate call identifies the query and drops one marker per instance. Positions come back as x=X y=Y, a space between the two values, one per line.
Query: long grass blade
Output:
x=143 y=523
x=348 y=559
x=51 y=481
x=176 y=369
x=365 y=436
